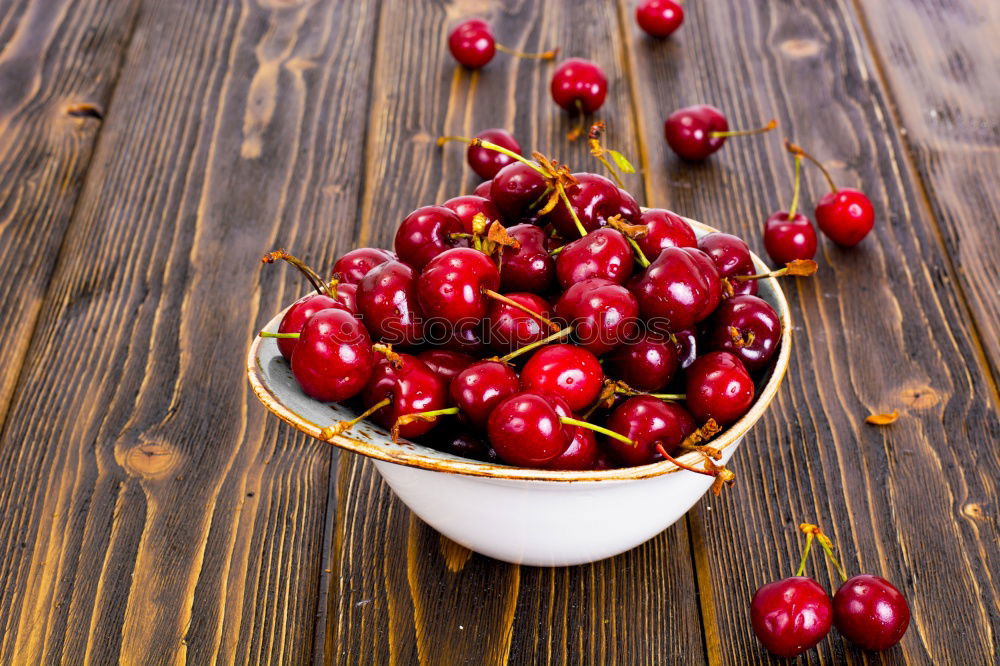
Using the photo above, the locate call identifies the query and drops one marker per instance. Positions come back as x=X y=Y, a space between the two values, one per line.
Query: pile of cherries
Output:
x=545 y=321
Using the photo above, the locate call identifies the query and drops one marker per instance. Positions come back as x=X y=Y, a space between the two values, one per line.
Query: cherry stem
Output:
x=597 y=150
x=805 y=554
x=280 y=336
x=544 y=55
x=311 y=275
x=535 y=345
x=480 y=143
x=429 y=416
x=628 y=390
x=810 y=531
x=796 y=150
x=796 y=186
x=796 y=267
x=640 y=256
x=596 y=428
x=577 y=130
x=514 y=304
x=760 y=130
x=557 y=250
x=339 y=427
x=720 y=473
x=572 y=212
x=390 y=355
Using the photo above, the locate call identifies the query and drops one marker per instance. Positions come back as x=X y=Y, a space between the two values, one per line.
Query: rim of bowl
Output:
x=401 y=454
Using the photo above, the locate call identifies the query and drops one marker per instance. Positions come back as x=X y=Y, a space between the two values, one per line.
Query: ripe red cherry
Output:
x=603 y=253
x=296 y=317
x=516 y=189
x=659 y=18
x=387 y=304
x=483 y=189
x=354 y=265
x=582 y=452
x=333 y=359
x=347 y=296
x=732 y=257
x=718 y=387
x=451 y=286
x=747 y=327
x=529 y=267
x=511 y=328
x=688 y=344
x=445 y=363
x=487 y=163
x=427 y=232
x=467 y=339
x=647 y=421
x=845 y=216
x=680 y=288
x=466 y=445
x=567 y=371
x=870 y=612
x=595 y=199
x=787 y=239
x=480 y=387
x=648 y=364
x=791 y=616
x=471 y=43
x=664 y=229
x=579 y=84
x=689 y=131
x=411 y=387
x=603 y=314
x=470 y=205
x=525 y=430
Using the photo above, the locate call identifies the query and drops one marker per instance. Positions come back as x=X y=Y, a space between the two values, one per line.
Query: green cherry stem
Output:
x=760 y=130
x=280 y=336
x=494 y=147
x=330 y=431
x=572 y=212
x=535 y=345
x=796 y=187
x=796 y=150
x=640 y=256
x=596 y=428
x=317 y=282
x=805 y=554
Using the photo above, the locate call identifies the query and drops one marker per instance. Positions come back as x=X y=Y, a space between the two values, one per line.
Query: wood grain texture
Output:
x=880 y=327
x=404 y=593
x=152 y=514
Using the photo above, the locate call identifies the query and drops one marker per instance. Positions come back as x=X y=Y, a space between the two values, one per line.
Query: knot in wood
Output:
x=150 y=460
x=800 y=48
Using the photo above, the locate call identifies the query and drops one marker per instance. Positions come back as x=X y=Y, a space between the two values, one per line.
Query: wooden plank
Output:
x=946 y=99
x=880 y=327
x=58 y=65
x=405 y=593
x=153 y=511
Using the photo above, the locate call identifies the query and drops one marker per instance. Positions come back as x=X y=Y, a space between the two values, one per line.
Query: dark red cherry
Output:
x=648 y=364
x=467 y=339
x=603 y=253
x=525 y=430
x=480 y=387
x=516 y=190
x=387 y=304
x=747 y=327
x=845 y=216
x=688 y=344
x=529 y=267
x=333 y=359
x=664 y=229
x=595 y=199
x=789 y=239
x=680 y=288
x=296 y=317
x=445 y=363
x=689 y=131
x=579 y=83
x=732 y=257
x=487 y=163
x=356 y=264
x=647 y=421
x=470 y=205
x=511 y=328
x=347 y=295
x=567 y=371
x=582 y=452
x=791 y=616
x=659 y=18
x=466 y=445
x=603 y=314
x=483 y=189
x=411 y=387
x=451 y=286
x=870 y=612
x=718 y=387
x=427 y=232
x=471 y=43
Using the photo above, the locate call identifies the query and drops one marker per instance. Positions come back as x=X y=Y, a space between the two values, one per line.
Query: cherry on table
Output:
x=510 y=327
x=788 y=235
x=790 y=616
x=594 y=199
x=664 y=229
x=659 y=18
x=410 y=387
x=731 y=256
x=579 y=86
x=602 y=313
x=333 y=358
x=525 y=429
x=718 y=387
x=870 y=612
x=648 y=364
x=468 y=206
x=566 y=371
x=427 y=232
x=480 y=387
x=487 y=163
x=747 y=327
x=647 y=421
x=355 y=265
x=529 y=267
x=387 y=304
x=695 y=132
x=679 y=289
x=603 y=253
x=473 y=45
x=451 y=286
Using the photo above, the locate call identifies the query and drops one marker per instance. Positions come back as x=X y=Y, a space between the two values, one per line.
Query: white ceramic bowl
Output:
x=525 y=516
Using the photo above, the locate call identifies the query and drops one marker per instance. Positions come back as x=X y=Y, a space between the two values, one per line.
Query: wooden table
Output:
x=151 y=151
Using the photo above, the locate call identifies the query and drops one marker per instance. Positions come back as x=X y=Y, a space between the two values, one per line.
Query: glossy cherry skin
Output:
x=731 y=256
x=296 y=317
x=845 y=216
x=870 y=612
x=757 y=325
x=603 y=253
x=471 y=43
x=529 y=267
x=487 y=163
x=582 y=452
x=578 y=81
x=718 y=387
x=789 y=239
x=603 y=314
x=480 y=387
x=427 y=232
x=689 y=131
x=387 y=304
x=451 y=286
x=659 y=18
x=467 y=339
x=413 y=387
x=648 y=364
x=664 y=229
x=483 y=189
x=347 y=296
x=688 y=344
x=566 y=371
x=510 y=328
x=333 y=359
x=525 y=430
x=791 y=616
x=647 y=421
x=595 y=199
x=445 y=363
x=470 y=205
x=356 y=264
x=680 y=288
x=516 y=189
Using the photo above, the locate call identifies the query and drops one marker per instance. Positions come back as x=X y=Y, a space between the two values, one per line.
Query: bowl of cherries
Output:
x=543 y=371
